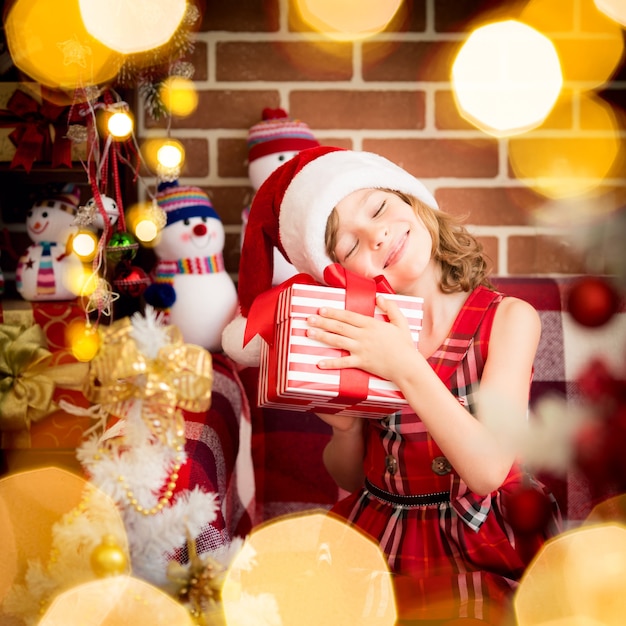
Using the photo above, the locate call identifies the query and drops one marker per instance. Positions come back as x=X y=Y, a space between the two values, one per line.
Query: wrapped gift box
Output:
x=53 y=438
x=289 y=377
x=54 y=121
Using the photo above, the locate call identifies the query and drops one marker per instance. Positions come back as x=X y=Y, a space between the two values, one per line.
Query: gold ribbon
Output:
x=27 y=378
x=180 y=377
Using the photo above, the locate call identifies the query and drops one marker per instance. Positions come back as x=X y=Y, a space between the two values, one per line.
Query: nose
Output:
x=378 y=236
x=199 y=230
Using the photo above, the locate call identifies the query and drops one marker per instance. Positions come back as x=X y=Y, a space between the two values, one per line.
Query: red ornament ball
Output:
x=592 y=301
x=529 y=510
x=131 y=281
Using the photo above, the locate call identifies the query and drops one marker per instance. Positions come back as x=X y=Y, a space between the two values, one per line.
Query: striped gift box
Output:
x=289 y=377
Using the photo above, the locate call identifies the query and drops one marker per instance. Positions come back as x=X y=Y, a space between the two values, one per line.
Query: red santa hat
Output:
x=290 y=211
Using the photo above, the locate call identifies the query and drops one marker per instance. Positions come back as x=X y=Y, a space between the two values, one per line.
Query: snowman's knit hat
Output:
x=182 y=202
x=277 y=132
x=66 y=200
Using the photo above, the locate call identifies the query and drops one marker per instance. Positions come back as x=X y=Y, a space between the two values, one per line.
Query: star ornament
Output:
x=101 y=298
x=74 y=52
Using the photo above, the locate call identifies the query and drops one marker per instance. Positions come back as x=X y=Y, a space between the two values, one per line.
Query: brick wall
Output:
x=390 y=94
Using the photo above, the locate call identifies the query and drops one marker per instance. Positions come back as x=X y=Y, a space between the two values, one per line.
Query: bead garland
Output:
x=165 y=499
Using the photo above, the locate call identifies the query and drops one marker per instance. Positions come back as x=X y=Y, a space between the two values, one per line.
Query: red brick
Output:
x=196 y=157
x=253 y=16
x=462 y=15
x=359 y=109
x=435 y=158
x=408 y=60
x=490 y=250
x=410 y=17
x=447 y=115
x=224 y=109
x=490 y=206
x=232 y=158
x=283 y=61
x=199 y=57
x=229 y=201
x=542 y=255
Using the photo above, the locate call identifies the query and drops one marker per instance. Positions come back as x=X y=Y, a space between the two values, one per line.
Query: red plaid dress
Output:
x=458 y=558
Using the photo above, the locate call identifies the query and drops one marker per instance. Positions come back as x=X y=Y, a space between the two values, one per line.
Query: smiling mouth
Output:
x=396 y=251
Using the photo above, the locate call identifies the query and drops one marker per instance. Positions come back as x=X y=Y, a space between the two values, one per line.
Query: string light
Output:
x=85 y=244
x=120 y=125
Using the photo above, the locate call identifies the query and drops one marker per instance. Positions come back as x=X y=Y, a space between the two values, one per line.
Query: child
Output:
x=430 y=484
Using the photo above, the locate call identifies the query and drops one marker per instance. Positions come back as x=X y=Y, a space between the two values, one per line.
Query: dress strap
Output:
x=446 y=358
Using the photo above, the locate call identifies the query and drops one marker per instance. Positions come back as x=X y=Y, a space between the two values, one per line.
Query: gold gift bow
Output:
x=180 y=377
x=27 y=378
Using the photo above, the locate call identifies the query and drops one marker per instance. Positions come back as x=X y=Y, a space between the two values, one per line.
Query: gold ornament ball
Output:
x=108 y=558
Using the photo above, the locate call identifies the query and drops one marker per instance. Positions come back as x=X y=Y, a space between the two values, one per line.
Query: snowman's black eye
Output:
x=29 y=214
x=44 y=214
x=204 y=219
x=281 y=157
x=186 y=222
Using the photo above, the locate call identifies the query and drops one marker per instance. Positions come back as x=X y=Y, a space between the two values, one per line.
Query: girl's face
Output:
x=379 y=233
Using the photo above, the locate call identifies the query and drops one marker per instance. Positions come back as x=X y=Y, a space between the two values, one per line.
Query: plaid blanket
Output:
x=218 y=450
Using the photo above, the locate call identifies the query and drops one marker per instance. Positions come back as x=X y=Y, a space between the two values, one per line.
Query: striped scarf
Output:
x=46 y=285
x=166 y=270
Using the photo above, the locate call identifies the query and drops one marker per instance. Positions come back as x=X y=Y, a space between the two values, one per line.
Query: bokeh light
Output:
x=309 y=569
x=614 y=9
x=347 y=20
x=179 y=96
x=130 y=26
x=50 y=521
x=146 y=220
x=577 y=161
x=120 y=124
x=170 y=154
x=48 y=41
x=506 y=78
x=577 y=575
x=85 y=244
x=83 y=340
x=589 y=44
x=114 y=601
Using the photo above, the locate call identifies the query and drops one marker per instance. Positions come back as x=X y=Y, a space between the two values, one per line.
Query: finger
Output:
x=391 y=309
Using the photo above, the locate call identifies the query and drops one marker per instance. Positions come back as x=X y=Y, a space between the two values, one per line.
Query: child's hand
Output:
x=375 y=346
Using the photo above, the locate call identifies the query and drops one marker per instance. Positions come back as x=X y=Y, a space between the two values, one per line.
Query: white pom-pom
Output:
x=232 y=344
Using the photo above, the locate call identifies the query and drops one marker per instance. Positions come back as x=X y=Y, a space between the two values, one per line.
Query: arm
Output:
x=343 y=455
x=476 y=451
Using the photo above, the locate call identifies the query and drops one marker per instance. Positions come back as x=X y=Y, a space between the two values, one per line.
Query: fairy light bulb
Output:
x=84 y=245
x=83 y=340
x=120 y=125
x=170 y=154
x=146 y=230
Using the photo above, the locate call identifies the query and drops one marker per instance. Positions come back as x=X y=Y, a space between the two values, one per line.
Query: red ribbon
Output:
x=360 y=298
x=31 y=136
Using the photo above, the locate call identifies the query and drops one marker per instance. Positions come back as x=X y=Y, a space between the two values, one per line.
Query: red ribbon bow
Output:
x=31 y=137
x=360 y=298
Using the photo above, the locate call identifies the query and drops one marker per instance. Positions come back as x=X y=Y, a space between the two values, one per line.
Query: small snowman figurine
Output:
x=48 y=267
x=271 y=142
x=190 y=284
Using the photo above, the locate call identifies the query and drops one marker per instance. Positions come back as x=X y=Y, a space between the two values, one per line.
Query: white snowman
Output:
x=271 y=142
x=48 y=269
x=190 y=284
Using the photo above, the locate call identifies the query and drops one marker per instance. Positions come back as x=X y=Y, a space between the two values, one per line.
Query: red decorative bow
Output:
x=31 y=136
x=360 y=297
